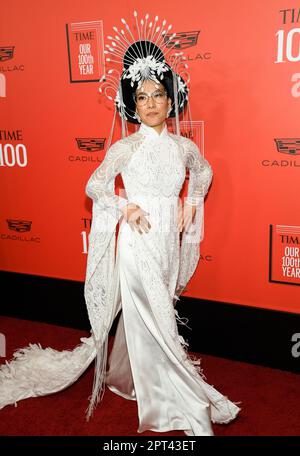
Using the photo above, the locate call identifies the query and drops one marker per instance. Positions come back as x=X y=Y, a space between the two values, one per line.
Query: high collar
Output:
x=151 y=132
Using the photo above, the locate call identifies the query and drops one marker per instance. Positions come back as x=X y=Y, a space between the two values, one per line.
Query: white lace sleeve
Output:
x=200 y=174
x=199 y=181
x=101 y=185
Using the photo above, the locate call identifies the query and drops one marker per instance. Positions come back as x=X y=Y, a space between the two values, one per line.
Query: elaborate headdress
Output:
x=153 y=55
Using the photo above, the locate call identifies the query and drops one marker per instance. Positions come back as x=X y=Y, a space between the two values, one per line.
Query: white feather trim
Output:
x=36 y=371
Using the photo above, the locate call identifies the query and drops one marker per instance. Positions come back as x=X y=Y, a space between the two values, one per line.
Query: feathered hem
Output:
x=36 y=371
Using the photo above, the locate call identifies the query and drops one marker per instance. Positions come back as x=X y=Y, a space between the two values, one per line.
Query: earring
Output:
x=137 y=117
x=169 y=112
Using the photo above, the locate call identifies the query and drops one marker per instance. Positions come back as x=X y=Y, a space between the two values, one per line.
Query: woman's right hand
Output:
x=135 y=216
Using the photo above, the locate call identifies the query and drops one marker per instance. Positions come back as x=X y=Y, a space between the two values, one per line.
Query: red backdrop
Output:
x=245 y=86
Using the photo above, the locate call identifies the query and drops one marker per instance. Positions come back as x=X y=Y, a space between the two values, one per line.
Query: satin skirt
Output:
x=139 y=365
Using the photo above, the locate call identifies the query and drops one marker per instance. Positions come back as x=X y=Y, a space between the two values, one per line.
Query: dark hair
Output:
x=129 y=87
x=163 y=82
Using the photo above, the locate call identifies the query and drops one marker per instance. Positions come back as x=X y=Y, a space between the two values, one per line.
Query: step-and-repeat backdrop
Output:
x=244 y=64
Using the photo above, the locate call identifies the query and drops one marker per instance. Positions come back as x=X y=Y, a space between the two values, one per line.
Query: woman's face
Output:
x=152 y=109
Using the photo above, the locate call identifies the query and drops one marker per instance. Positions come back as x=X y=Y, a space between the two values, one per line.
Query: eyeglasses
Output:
x=158 y=96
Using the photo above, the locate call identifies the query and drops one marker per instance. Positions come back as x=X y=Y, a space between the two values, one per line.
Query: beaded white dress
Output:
x=149 y=362
x=143 y=277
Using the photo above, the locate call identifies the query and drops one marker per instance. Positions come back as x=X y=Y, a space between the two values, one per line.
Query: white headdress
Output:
x=152 y=54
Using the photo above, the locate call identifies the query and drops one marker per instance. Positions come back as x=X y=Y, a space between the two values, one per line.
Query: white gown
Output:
x=149 y=361
x=144 y=364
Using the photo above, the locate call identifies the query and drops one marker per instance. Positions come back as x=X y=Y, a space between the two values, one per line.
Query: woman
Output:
x=145 y=275
x=148 y=362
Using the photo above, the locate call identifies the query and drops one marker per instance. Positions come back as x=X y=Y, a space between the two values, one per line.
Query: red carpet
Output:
x=270 y=398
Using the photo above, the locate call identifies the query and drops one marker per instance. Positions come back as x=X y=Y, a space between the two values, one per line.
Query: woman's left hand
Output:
x=185 y=216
